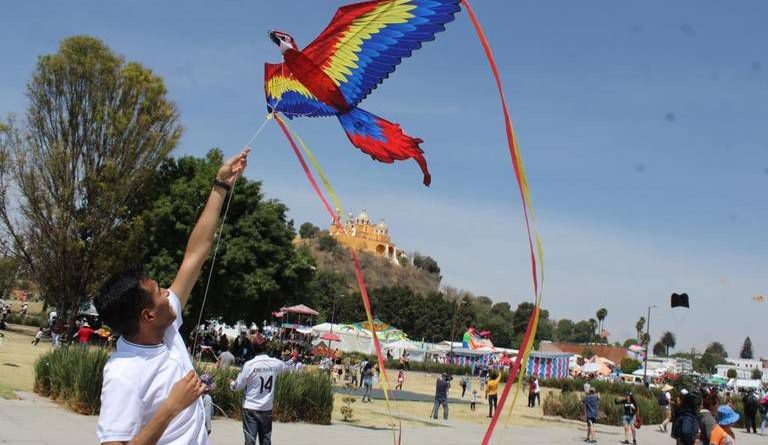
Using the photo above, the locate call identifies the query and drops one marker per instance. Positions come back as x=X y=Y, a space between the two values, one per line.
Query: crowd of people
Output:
x=702 y=415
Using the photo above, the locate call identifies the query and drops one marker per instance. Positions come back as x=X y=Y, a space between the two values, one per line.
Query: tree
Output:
x=716 y=348
x=731 y=374
x=629 y=342
x=564 y=330
x=629 y=365
x=587 y=353
x=75 y=168
x=426 y=263
x=660 y=350
x=327 y=243
x=639 y=326
x=257 y=268
x=669 y=341
x=746 y=350
x=601 y=314
x=757 y=374
x=308 y=230
x=9 y=268
x=583 y=332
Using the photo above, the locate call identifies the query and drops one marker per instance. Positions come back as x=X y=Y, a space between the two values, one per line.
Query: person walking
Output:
x=631 y=412
x=84 y=335
x=686 y=427
x=367 y=381
x=492 y=391
x=531 y=393
x=762 y=409
x=225 y=360
x=665 y=403
x=463 y=384
x=591 y=403
x=38 y=336
x=258 y=377
x=473 y=401
x=750 y=411
x=150 y=392
x=442 y=385
x=400 y=380
x=536 y=391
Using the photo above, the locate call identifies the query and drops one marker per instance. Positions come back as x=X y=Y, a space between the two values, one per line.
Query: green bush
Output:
x=27 y=320
x=568 y=405
x=73 y=376
x=304 y=396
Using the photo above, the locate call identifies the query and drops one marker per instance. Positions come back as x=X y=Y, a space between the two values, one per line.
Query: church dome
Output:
x=381 y=227
x=362 y=218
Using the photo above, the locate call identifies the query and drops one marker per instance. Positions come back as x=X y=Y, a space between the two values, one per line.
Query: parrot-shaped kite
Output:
x=361 y=46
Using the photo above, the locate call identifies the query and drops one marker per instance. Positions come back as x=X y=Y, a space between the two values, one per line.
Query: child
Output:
x=400 y=380
x=474 y=400
x=38 y=336
x=723 y=434
x=207 y=380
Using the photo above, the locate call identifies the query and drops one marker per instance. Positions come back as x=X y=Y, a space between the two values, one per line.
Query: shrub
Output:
x=731 y=374
x=27 y=320
x=305 y=396
x=629 y=365
x=72 y=376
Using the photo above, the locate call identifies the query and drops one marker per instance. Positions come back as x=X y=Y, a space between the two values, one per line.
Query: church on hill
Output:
x=361 y=234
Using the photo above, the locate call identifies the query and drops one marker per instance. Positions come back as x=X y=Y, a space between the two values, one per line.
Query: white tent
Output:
x=397 y=348
x=352 y=340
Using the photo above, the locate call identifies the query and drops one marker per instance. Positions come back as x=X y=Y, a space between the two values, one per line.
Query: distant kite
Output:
x=680 y=300
x=760 y=298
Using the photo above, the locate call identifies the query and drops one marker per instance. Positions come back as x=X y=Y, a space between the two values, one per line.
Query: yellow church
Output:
x=361 y=234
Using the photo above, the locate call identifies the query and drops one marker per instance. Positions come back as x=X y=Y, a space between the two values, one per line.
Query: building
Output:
x=613 y=353
x=743 y=368
x=361 y=234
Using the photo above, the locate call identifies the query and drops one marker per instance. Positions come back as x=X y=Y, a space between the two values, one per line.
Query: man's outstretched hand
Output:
x=234 y=167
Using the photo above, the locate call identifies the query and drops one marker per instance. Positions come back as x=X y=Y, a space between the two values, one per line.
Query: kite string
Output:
x=289 y=134
x=219 y=235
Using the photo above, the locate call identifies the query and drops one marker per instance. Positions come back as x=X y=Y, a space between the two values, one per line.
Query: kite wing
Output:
x=289 y=96
x=365 y=42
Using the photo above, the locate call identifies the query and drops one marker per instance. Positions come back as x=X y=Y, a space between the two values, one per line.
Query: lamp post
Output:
x=647 y=344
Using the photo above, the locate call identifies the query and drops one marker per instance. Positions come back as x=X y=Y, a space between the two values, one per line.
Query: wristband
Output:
x=219 y=183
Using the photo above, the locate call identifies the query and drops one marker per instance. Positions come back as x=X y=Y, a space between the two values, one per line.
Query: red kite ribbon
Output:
x=358 y=271
x=522 y=182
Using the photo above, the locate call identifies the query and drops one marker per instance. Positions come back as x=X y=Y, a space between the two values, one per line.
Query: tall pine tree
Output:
x=746 y=350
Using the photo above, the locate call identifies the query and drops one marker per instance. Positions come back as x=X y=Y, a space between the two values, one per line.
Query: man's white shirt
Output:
x=258 y=377
x=138 y=379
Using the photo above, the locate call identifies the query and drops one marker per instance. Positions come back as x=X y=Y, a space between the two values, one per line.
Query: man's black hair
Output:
x=120 y=301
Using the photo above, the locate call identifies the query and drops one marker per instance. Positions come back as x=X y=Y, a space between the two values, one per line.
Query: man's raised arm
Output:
x=201 y=239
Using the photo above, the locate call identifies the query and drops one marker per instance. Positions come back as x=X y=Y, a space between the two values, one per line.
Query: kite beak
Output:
x=273 y=38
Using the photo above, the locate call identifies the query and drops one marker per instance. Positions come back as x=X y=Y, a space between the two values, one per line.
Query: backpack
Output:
x=685 y=428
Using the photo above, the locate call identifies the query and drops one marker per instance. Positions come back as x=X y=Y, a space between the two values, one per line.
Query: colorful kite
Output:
x=361 y=46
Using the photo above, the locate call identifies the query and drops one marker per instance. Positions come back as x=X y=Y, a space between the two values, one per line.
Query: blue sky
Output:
x=642 y=127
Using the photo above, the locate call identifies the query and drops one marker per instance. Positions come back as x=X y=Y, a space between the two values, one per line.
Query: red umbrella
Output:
x=330 y=336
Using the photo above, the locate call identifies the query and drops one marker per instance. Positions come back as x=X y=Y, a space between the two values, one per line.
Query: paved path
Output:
x=40 y=422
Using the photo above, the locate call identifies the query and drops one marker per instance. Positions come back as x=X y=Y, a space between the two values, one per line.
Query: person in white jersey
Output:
x=258 y=377
x=150 y=393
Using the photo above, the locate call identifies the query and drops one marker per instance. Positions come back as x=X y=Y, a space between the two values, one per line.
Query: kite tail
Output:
x=383 y=140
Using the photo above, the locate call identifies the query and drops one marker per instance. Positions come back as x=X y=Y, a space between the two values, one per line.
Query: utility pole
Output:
x=647 y=344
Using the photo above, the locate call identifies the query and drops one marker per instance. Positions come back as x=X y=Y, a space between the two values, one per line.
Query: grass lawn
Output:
x=17 y=361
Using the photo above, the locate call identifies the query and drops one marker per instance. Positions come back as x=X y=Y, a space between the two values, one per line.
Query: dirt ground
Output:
x=374 y=414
